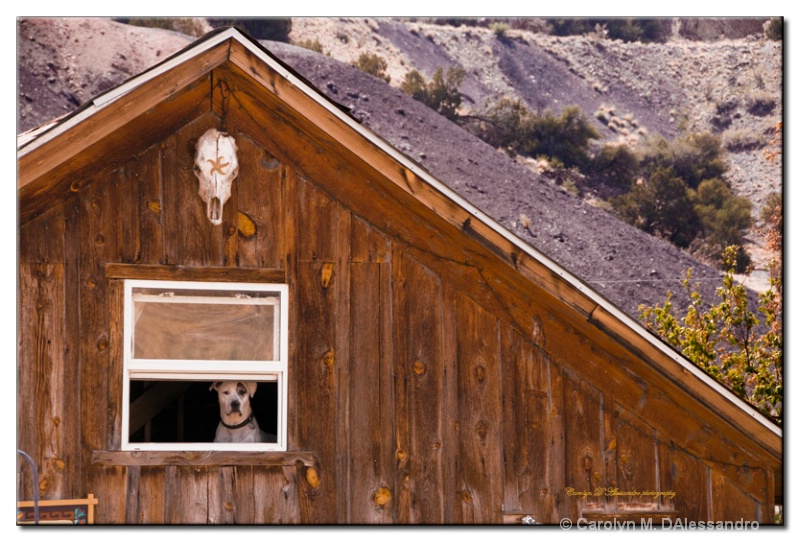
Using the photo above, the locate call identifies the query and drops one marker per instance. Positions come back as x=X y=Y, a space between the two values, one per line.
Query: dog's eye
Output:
x=242 y=392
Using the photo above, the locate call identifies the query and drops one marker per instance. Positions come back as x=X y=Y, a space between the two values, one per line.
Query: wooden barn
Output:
x=416 y=362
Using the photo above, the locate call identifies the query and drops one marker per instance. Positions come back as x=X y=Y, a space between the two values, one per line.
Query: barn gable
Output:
x=440 y=370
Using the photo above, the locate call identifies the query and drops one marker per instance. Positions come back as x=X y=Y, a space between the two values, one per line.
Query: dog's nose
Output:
x=235 y=405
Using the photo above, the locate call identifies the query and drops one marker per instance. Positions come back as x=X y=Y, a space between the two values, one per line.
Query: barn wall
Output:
x=421 y=399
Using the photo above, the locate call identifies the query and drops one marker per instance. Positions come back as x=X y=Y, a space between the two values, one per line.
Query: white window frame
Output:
x=206 y=370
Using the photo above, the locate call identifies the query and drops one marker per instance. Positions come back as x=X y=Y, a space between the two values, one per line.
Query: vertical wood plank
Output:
x=689 y=479
x=316 y=373
x=425 y=387
x=71 y=417
x=341 y=284
x=555 y=453
x=451 y=454
x=259 y=206
x=370 y=443
x=525 y=426
x=40 y=407
x=187 y=495
x=110 y=487
x=402 y=492
x=221 y=500
x=145 y=174
x=100 y=241
x=42 y=240
x=316 y=225
x=635 y=460
x=152 y=496
x=190 y=238
x=479 y=413
x=274 y=491
x=584 y=458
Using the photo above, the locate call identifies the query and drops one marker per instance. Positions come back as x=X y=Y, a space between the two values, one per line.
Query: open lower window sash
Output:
x=204 y=369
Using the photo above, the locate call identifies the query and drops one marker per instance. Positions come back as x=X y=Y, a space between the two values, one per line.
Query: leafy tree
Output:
x=565 y=137
x=660 y=206
x=727 y=340
x=724 y=218
x=440 y=93
x=374 y=65
x=615 y=165
x=694 y=157
x=505 y=123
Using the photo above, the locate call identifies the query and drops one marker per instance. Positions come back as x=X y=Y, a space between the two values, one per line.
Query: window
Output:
x=180 y=338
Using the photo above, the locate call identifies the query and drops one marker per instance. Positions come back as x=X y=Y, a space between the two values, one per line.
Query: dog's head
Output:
x=234 y=399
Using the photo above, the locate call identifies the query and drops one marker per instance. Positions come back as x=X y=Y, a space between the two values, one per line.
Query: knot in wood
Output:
x=401 y=455
x=382 y=496
x=466 y=496
x=587 y=463
x=482 y=428
x=480 y=373
x=100 y=240
x=327 y=275
x=154 y=206
x=74 y=186
x=102 y=344
x=328 y=359
x=419 y=368
x=312 y=477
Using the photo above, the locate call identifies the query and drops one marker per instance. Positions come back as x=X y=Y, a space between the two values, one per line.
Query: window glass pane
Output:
x=210 y=325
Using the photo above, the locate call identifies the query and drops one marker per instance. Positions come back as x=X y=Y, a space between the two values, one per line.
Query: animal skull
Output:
x=215 y=166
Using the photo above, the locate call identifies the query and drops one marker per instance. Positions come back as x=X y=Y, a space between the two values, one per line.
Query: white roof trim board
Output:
x=105 y=99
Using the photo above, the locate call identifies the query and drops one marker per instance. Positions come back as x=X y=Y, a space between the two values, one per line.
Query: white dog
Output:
x=237 y=423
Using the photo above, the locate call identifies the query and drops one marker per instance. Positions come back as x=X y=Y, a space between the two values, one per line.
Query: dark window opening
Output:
x=188 y=411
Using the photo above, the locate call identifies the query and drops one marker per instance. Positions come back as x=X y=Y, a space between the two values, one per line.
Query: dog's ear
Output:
x=214 y=386
x=250 y=385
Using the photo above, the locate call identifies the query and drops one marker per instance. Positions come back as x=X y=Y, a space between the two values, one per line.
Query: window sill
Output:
x=209 y=458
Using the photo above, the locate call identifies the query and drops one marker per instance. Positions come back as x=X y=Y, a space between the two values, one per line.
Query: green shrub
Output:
x=314 y=45
x=440 y=93
x=374 y=65
x=660 y=205
x=743 y=140
x=693 y=157
x=565 y=137
x=615 y=165
x=724 y=218
x=760 y=103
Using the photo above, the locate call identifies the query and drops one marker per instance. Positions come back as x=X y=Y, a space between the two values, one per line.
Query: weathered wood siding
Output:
x=423 y=393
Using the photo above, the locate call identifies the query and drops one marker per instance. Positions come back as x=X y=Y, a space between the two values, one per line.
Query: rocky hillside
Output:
x=654 y=88
x=717 y=76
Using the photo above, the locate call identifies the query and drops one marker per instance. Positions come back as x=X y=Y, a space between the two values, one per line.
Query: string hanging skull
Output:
x=215 y=166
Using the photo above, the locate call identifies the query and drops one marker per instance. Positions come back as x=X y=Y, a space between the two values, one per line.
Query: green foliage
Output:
x=660 y=206
x=565 y=137
x=260 y=28
x=374 y=65
x=500 y=29
x=727 y=340
x=615 y=165
x=643 y=30
x=693 y=157
x=440 y=93
x=505 y=124
x=724 y=218
x=314 y=45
